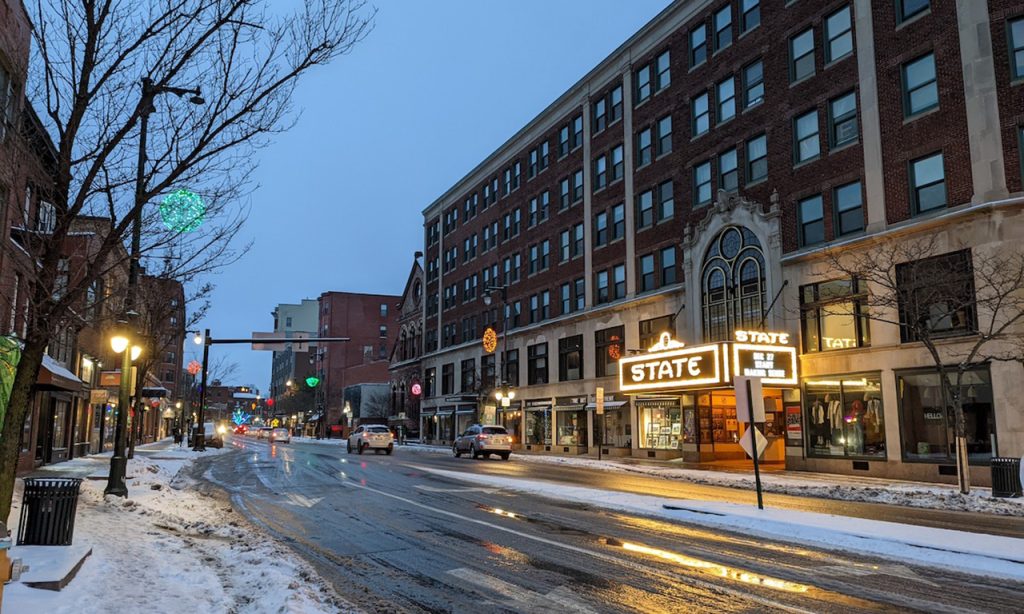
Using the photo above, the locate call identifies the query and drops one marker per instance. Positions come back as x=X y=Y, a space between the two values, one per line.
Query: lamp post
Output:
x=121 y=344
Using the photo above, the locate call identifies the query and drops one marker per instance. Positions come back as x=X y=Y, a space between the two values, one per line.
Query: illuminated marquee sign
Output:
x=669 y=365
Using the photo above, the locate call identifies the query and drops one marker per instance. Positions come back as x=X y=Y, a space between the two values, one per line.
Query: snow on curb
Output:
x=840 y=487
x=971 y=553
x=169 y=548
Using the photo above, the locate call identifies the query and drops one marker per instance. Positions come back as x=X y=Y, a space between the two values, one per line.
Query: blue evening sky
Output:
x=433 y=90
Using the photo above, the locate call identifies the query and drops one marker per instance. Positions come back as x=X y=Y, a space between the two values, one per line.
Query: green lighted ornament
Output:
x=312 y=381
x=182 y=211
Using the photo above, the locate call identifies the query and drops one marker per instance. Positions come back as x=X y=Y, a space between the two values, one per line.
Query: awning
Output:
x=155 y=392
x=607 y=405
x=427 y=411
x=313 y=418
x=54 y=376
x=573 y=407
x=538 y=408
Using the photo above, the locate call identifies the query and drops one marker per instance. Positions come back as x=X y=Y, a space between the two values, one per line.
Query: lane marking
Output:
x=521 y=594
x=427 y=488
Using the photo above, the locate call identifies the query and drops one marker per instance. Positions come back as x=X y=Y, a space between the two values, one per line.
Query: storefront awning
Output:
x=54 y=376
x=573 y=407
x=607 y=405
x=155 y=392
x=428 y=411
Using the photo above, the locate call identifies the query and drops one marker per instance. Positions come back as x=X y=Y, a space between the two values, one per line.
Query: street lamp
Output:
x=504 y=394
x=120 y=342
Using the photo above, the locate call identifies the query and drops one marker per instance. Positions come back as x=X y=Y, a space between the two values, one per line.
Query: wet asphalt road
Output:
x=391 y=538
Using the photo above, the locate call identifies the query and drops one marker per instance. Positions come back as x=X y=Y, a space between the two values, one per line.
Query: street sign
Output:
x=762 y=443
x=300 y=346
x=274 y=343
x=599 y=401
x=755 y=401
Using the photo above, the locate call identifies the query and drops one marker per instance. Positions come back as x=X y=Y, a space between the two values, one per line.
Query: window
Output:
x=602 y=288
x=533 y=164
x=664 y=71
x=644 y=148
x=906 y=9
x=601 y=229
x=577 y=186
x=650 y=330
x=702 y=184
x=833 y=315
x=845 y=416
x=801 y=55
x=750 y=15
x=936 y=296
x=664 y=135
x=698 y=45
x=617 y=163
x=726 y=96
x=511 y=367
x=563 y=141
x=848 y=203
x=600 y=115
x=615 y=105
x=608 y=348
x=811 y=220
x=619 y=278
x=842 y=119
x=539 y=208
x=647 y=279
x=545 y=155
x=468 y=379
x=448 y=378
x=920 y=88
x=927 y=183
x=487 y=371
x=807 y=146
x=838 y=35
x=753 y=84
x=537 y=364
x=563 y=194
x=600 y=173
x=732 y=284
x=728 y=173
x=580 y=293
x=570 y=358
x=563 y=246
x=645 y=209
x=668 y=266
x=757 y=159
x=577 y=131
x=723 y=28
x=927 y=420
x=700 y=110
x=666 y=201
x=1016 y=29
x=565 y=294
x=643 y=83
x=383 y=331
x=577 y=244
x=618 y=221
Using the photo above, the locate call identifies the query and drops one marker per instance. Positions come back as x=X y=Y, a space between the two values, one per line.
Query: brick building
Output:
x=370 y=322
x=704 y=170
x=405 y=369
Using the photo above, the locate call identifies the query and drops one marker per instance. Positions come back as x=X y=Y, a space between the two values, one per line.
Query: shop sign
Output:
x=794 y=424
x=675 y=368
x=764 y=355
x=98 y=396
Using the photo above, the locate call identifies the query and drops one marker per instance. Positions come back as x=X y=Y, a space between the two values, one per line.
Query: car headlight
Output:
x=222 y=430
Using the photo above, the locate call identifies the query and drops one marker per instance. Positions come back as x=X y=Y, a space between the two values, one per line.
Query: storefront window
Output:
x=513 y=423
x=661 y=426
x=572 y=427
x=538 y=425
x=845 y=416
x=927 y=422
x=614 y=428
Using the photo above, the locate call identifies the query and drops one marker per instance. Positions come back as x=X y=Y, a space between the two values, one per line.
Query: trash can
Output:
x=48 y=511
x=1006 y=477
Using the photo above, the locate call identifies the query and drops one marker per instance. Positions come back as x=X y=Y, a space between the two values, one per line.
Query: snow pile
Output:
x=972 y=553
x=824 y=486
x=169 y=548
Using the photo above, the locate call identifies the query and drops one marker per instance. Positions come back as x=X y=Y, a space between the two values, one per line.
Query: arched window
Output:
x=732 y=284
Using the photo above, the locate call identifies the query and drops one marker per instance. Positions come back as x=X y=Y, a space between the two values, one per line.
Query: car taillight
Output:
x=481 y=437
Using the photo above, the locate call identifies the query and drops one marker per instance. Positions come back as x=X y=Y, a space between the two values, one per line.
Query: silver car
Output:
x=374 y=437
x=484 y=440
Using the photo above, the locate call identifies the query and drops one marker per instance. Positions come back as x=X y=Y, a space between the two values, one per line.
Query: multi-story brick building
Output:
x=370 y=322
x=405 y=369
x=695 y=182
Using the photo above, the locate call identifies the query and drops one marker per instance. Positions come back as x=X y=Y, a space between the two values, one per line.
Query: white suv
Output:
x=484 y=439
x=375 y=437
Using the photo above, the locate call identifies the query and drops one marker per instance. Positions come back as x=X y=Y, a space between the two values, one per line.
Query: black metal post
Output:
x=753 y=445
x=119 y=462
x=199 y=444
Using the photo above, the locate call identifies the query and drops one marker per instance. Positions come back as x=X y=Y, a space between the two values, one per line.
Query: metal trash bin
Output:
x=48 y=511
x=1006 y=477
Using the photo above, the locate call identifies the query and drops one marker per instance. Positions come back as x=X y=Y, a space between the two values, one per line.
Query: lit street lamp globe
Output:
x=182 y=211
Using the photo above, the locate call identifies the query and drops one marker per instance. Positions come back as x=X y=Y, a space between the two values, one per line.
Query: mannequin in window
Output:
x=855 y=427
x=818 y=426
x=835 y=419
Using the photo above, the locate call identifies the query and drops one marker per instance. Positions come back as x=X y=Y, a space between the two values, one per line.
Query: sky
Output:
x=434 y=89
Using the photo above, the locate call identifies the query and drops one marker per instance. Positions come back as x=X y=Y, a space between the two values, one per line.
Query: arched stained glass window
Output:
x=733 y=286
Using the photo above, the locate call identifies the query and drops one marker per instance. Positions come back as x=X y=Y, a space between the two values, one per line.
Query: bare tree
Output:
x=90 y=58
x=964 y=307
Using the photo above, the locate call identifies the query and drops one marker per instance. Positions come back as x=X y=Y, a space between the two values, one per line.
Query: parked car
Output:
x=280 y=435
x=374 y=437
x=484 y=440
x=211 y=436
x=263 y=432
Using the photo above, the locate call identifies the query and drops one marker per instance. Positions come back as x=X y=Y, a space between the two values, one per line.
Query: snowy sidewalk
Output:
x=169 y=548
x=987 y=555
x=796 y=483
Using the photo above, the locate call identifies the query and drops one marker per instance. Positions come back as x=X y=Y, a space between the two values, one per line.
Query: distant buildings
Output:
x=289 y=365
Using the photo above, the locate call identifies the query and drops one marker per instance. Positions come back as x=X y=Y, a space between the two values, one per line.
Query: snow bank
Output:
x=169 y=548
